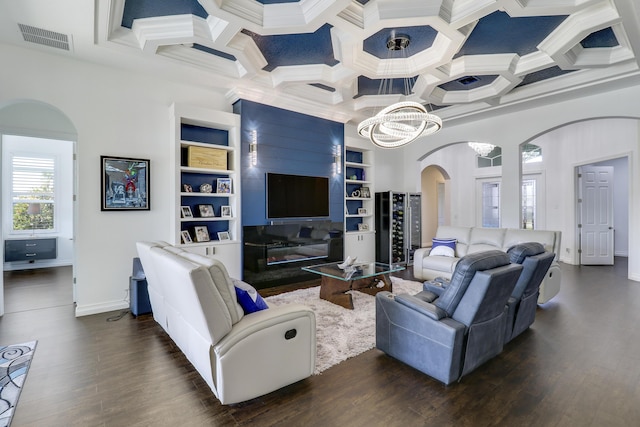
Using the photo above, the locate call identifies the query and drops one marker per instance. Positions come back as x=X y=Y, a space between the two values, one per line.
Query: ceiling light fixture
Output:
x=482 y=148
x=403 y=122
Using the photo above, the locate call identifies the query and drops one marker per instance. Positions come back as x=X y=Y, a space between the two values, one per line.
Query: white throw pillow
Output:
x=442 y=250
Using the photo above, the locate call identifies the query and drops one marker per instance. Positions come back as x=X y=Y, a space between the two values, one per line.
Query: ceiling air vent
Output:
x=44 y=37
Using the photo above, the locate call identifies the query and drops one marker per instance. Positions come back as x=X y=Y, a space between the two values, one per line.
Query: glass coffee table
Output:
x=367 y=277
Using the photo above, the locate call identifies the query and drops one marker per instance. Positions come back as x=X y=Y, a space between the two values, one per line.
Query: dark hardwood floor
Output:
x=579 y=365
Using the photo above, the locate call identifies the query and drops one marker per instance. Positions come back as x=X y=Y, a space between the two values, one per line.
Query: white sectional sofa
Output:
x=240 y=356
x=477 y=239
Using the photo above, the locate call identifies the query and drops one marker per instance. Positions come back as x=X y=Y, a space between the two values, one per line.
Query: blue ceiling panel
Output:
x=421 y=38
x=137 y=9
x=602 y=38
x=367 y=86
x=296 y=49
x=214 y=52
x=545 y=74
x=515 y=35
x=468 y=83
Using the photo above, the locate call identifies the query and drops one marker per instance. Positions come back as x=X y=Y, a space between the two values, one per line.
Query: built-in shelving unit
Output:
x=359 y=203
x=207 y=129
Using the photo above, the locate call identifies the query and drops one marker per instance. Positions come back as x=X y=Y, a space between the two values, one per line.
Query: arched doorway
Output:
x=436 y=204
x=39 y=127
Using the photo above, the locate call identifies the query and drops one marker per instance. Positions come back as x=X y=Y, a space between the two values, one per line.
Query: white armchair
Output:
x=240 y=356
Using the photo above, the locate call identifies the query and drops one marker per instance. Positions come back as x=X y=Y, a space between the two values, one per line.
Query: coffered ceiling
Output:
x=331 y=58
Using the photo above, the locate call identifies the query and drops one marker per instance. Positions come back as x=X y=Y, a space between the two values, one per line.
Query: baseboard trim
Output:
x=87 y=310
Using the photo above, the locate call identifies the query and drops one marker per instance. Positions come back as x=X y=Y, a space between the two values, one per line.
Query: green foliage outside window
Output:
x=22 y=220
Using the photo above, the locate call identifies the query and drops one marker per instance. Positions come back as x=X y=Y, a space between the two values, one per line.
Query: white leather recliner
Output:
x=240 y=356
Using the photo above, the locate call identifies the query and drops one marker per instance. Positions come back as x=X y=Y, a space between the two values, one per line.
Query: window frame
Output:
x=11 y=196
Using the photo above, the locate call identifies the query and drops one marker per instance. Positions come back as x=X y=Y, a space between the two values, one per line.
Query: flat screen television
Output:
x=297 y=196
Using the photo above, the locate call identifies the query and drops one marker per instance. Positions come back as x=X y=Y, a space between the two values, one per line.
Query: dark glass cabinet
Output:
x=398 y=226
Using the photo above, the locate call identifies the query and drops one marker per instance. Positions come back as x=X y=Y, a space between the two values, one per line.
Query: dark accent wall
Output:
x=288 y=143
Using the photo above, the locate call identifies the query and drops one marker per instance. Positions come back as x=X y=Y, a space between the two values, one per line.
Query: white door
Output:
x=488 y=203
x=596 y=215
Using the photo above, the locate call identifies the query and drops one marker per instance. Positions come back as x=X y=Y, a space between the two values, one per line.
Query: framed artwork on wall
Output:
x=124 y=184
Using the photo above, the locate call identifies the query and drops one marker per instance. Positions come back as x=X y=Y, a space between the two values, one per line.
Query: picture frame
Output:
x=364 y=192
x=124 y=184
x=363 y=227
x=362 y=211
x=201 y=233
x=186 y=237
x=225 y=211
x=187 y=188
x=206 y=211
x=224 y=235
x=223 y=185
x=185 y=212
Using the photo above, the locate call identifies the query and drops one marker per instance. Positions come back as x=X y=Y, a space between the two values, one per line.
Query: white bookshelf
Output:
x=359 y=240
x=227 y=251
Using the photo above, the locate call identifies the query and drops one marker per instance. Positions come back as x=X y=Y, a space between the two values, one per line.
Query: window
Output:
x=491 y=204
x=531 y=153
x=528 y=204
x=494 y=158
x=33 y=192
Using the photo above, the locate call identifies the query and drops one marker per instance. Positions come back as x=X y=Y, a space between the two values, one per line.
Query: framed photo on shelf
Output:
x=185 y=212
x=186 y=237
x=362 y=211
x=225 y=211
x=206 y=211
x=187 y=188
x=364 y=192
x=201 y=233
x=363 y=227
x=124 y=184
x=224 y=235
x=223 y=185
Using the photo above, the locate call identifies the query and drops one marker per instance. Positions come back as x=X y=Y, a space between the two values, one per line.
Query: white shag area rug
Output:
x=342 y=333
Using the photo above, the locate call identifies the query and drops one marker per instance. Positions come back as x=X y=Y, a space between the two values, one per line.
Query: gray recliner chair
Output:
x=524 y=300
x=450 y=335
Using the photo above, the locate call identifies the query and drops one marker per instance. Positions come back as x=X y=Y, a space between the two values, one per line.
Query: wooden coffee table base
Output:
x=335 y=290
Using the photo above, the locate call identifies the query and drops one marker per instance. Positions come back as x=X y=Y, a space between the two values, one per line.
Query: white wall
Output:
x=115 y=113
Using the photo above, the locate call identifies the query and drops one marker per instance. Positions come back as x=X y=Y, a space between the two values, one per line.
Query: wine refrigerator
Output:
x=398 y=226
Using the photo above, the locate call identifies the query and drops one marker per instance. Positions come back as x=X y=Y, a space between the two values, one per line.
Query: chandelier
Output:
x=482 y=148
x=402 y=122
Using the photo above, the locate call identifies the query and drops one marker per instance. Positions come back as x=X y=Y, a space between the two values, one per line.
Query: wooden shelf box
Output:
x=207 y=158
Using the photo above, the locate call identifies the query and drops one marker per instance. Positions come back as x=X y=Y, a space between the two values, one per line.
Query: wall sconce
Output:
x=337 y=160
x=253 y=148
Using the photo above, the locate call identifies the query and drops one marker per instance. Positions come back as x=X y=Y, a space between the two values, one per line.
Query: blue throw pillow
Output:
x=248 y=298
x=305 y=232
x=443 y=247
